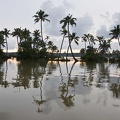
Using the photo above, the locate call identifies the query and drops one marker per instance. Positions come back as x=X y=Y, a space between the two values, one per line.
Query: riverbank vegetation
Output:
x=35 y=45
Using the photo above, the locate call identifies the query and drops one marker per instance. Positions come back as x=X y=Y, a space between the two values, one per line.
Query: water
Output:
x=41 y=90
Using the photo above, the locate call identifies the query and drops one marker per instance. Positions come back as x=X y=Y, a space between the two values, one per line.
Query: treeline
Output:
x=36 y=45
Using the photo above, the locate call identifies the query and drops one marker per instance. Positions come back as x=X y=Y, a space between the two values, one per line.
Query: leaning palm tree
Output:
x=6 y=33
x=75 y=38
x=67 y=22
x=64 y=33
x=115 y=33
x=40 y=16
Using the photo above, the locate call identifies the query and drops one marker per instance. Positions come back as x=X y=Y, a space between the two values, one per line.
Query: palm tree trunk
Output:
x=17 y=42
x=72 y=53
x=72 y=68
x=61 y=47
x=67 y=52
x=68 y=40
x=6 y=46
x=118 y=41
x=85 y=46
x=41 y=31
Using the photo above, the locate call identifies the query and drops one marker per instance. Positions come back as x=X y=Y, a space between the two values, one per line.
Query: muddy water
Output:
x=48 y=90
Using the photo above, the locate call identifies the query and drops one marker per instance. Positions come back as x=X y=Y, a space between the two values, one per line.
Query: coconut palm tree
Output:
x=25 y=46
x=36 y=39
x=67 y=22
x=6 y=34
x=104 y=45
x=115 y=33
x=25 y=34
x=90 y=38
x=75 y=38
x=40 y=16
x=17 y=33
x=84 y=39
x=64 y=33
x=2 y=40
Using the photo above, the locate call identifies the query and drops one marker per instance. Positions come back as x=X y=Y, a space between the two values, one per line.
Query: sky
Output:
x=93 y=16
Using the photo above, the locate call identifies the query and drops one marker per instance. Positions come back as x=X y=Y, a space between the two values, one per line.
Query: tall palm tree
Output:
x=115 y=33
x=17 y=33
x=6 y=33
x=64 y=33
x=67 y=22
x=1 y=40
x=40 y=16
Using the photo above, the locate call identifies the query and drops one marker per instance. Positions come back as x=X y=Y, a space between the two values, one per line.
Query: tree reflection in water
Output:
x=67 y=98
x=115 y=88
x=52 y=81
x=46 y=69
x=88 y=73
x=95 y=73
x=3 y=74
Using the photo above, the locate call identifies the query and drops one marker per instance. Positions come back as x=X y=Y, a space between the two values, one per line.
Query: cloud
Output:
x=84 y=25
x=55 y=15
x=116 y=18
x=110 y=22
x=67 y=4
x=103 y=31
x=106 y=17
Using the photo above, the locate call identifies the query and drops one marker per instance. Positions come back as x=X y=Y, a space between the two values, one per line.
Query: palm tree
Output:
x=25 y=34
x=50 y=45
x=47 y=38
x=17 y=33
x=74 y=38
x=90 y=38
x=25 y=46
x=41 y=16
x=104 y=45
x=36 y=39
x=1 y=40
x=54 y=48
x=64 y=33
x=6 y=33
x=67 y=21
x=84 y=40
x=115 y=33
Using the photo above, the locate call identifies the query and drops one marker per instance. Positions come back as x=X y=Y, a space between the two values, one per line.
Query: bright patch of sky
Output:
x=93 y=16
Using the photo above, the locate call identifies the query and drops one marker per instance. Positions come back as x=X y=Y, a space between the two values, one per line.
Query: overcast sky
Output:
x=93 y=16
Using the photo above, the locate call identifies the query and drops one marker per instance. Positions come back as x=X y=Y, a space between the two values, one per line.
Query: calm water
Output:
x=40 y=90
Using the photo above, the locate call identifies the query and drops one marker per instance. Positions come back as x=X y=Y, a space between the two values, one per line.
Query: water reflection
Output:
x=3 y=73
x=67 y=98
x=61 y=85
